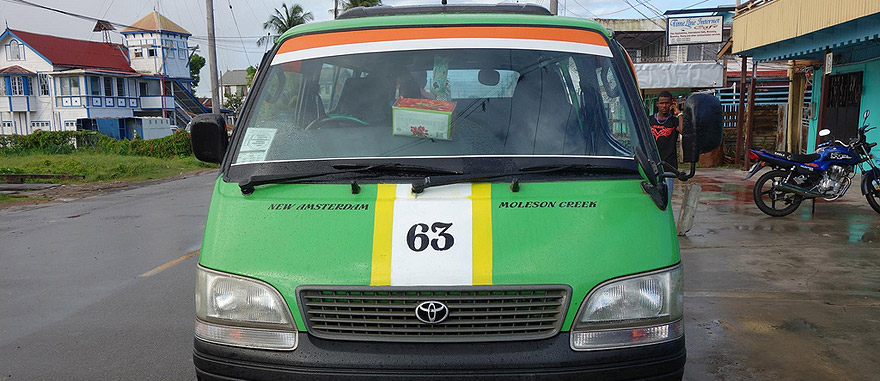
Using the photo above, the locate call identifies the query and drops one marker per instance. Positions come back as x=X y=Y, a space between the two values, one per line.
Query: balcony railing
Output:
x=18 y=103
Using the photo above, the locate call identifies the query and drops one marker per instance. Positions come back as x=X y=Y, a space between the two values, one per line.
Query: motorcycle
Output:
x=825 y=174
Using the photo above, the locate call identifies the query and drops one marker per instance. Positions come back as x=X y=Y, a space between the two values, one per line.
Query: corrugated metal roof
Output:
x=68 y=52
x=155 y=22
x=767 y=22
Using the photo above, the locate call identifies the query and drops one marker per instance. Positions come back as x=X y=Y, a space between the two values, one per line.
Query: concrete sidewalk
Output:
x=772 y=298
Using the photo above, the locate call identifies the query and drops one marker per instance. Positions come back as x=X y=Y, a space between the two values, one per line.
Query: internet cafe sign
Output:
x=693 y=30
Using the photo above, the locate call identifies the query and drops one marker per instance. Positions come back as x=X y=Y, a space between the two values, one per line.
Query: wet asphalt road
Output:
x=790 y=298
x=74 y=303
x=101 y=288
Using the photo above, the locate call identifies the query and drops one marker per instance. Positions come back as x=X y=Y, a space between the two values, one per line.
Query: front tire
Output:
x=873 y=197
x=773 y=201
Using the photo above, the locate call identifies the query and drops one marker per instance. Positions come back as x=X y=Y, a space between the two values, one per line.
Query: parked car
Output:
x=442 y=191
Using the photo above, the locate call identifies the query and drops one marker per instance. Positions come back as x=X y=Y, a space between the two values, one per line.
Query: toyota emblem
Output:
x=432 y=312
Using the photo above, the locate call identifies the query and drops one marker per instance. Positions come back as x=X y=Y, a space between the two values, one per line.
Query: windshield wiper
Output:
x=575 y=168
x=247 y=186
x=395 y=167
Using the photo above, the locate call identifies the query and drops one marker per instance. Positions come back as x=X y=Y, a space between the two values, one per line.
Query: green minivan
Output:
x=442 y=192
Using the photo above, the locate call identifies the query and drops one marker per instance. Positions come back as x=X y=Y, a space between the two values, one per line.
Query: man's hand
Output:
x=675 y=109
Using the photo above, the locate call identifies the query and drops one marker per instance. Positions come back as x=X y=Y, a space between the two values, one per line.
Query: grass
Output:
x=98 y=166
x=4 y=198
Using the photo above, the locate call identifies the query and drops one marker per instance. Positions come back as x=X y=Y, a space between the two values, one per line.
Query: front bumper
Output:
x=550 y=358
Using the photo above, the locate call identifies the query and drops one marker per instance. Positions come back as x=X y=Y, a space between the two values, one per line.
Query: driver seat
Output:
x=361 y=98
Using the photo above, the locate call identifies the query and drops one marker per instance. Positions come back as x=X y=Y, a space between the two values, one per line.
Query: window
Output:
x=509 y=102
x=70 y=125
x=17 y=86
x=702 y=52
x=64 y=85
x=138 y=52
x=108 y=87
x=14 y=51
x=44 y=83
x=132 y=88
x=120 y=87
x=151 y=52
x=95 y=86
x=40 y=125
x=181 y=50
x=74 y=86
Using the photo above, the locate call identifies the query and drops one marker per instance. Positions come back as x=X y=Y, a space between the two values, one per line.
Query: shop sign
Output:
x=693 y=30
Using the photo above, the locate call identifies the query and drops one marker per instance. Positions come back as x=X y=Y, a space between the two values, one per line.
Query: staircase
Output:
x=184 y=99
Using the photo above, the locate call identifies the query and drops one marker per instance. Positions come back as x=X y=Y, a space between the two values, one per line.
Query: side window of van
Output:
x=330 y=84
x=279 y=96
x=615 y=111
x=470 y=84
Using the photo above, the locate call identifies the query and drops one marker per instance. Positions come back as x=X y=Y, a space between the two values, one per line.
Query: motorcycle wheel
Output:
x=772 y=201
x=874 y=200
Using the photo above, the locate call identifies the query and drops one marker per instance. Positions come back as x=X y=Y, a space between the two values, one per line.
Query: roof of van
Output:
x=387 y=16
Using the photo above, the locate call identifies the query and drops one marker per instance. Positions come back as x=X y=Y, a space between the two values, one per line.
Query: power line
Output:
x=234 y=21
x=585 y=8
x=651 y=7
x=644 y=15
x=695 y=4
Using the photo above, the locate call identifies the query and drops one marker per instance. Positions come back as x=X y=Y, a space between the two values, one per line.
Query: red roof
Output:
x=62 y=51
x=15 y=69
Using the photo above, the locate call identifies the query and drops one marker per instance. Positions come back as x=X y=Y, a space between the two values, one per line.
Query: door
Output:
x=844 y=102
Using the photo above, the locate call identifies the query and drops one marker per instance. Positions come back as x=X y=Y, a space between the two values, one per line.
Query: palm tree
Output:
x=283 y=20
x=349 y=4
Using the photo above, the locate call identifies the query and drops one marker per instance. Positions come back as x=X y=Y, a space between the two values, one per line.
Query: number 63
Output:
x=418 y=241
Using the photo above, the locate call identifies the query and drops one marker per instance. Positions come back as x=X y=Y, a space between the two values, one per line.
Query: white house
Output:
x=54 y=83
x=233 y=82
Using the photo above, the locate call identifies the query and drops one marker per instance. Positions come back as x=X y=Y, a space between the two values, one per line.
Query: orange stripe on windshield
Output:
x=399 y=34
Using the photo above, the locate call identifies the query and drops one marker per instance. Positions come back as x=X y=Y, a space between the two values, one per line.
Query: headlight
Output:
x=633 y=311
x=242 y=312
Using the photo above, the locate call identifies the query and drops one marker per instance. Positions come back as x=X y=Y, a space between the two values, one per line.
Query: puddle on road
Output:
x=798 y=325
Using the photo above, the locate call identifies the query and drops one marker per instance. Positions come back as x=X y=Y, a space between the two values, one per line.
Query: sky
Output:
x=239 y=23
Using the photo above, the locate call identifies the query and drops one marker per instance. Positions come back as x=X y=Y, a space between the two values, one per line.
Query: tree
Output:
x=282 y=21
x=251 y=71
x=349 y=4
x=195 y=65
x=233 y=102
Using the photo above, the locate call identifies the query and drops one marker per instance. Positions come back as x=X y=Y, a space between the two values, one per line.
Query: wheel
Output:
x=772 y=200
x=873 y=197
x=336 y=121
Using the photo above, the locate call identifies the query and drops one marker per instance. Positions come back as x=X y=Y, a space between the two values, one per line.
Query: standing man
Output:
x=665 y=125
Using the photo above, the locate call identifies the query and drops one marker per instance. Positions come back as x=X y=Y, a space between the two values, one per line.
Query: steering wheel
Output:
x=336 y=121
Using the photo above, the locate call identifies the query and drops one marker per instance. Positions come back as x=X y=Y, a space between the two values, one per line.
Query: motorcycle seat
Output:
x=794 y=157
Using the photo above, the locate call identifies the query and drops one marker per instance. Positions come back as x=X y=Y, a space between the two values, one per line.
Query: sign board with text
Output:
x=693 y=30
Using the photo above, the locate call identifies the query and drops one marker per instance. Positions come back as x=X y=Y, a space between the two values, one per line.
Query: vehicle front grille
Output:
x=490 y=313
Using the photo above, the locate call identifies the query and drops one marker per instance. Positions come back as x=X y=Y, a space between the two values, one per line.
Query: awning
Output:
x=680 y=75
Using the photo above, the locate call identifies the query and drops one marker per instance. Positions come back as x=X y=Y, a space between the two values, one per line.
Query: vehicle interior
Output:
x=506 y=102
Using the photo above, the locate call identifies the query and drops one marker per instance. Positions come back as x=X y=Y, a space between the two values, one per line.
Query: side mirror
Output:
x=701 y=130
x=209 y=137
x=824 y=132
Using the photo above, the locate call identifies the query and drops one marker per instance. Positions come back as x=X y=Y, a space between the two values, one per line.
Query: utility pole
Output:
x=335 y=9
x=212 y=59
x=554 y=7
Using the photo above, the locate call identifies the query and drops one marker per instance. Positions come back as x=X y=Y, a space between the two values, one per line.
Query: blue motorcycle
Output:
x=825 y=174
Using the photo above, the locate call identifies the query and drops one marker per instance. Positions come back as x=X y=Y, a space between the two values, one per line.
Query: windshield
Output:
x=439 y=103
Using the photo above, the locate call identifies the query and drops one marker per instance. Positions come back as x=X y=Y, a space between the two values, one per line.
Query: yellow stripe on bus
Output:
x=482 y=237
x=380 y=273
